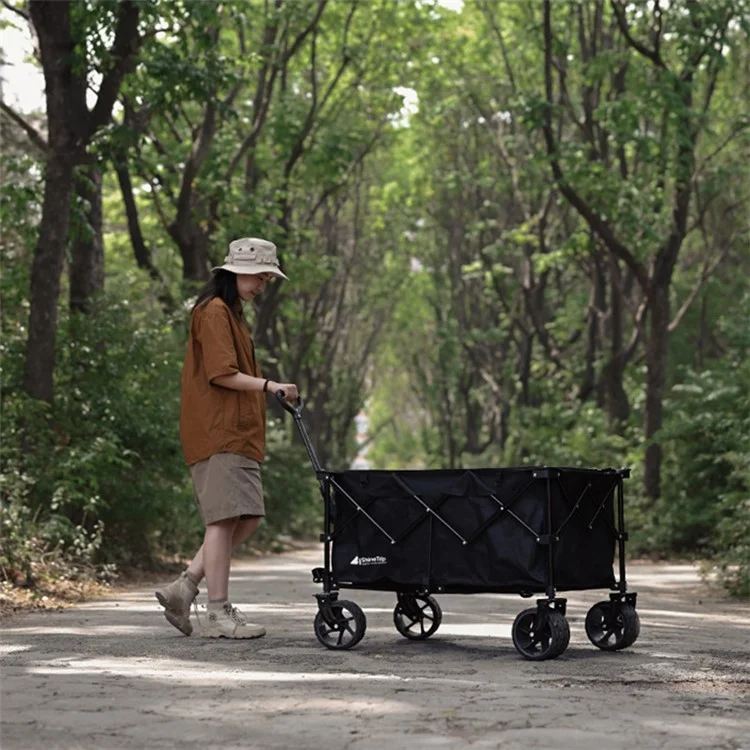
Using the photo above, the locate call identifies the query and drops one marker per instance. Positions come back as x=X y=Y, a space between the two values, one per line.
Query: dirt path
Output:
x=113 y=674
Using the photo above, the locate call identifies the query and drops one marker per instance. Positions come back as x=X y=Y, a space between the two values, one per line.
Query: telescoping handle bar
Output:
x=295 y=410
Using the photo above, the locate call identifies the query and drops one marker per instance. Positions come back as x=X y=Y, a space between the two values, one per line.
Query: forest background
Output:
x=516 y=232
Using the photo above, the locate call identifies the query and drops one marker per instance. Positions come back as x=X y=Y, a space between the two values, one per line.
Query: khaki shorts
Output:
x=227 y=486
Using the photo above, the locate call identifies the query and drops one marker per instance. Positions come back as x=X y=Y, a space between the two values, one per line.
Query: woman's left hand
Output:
x=291 y=393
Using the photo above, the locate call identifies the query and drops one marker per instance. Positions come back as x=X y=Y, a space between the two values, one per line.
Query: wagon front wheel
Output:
x=417 y=616
x=612 y=626
x=540 y=635
x=342 y=627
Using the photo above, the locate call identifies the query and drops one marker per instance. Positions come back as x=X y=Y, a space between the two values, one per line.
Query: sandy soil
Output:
x=113 y=674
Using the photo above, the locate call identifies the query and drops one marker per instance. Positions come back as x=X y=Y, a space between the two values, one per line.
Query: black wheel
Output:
x=547 y=641
x=612 y=626
x=346 y=629
x=417 y=616
x=564 y=640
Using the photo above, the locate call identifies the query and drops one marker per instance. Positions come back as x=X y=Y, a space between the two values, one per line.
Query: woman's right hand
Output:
x=291 y=393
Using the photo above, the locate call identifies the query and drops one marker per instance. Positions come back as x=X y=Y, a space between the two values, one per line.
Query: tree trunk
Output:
x=523 y=367
x=87 y=244
x=142 y=252
x=70 y=127
x=656 y=356
x=618 y=407
x=193 y=244
x=700 y=344
x=45 y=278
x=597 y=304
x=503 y=427
x=65 y=92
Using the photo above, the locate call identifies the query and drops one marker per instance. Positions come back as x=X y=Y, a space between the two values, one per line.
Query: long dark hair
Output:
x=222 y=284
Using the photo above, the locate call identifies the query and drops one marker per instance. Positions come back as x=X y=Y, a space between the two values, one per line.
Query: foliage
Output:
x=441 y=278
x=101 y=466
x=706 y=504
x=294 y=509
x=98 y=477
x=517 y=291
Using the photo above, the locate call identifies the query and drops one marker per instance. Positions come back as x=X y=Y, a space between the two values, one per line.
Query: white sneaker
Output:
x=176 y=599
x=228 y=622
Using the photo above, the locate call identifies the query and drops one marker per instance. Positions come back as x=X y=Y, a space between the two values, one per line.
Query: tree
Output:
x=86 y=240
x=202 y=104
x=664 y=125
x=61 y=27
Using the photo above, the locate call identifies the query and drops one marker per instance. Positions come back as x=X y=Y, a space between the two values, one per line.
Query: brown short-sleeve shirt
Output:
x=215 y=419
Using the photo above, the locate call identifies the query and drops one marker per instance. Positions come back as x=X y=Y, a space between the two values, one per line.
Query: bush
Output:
x=705 y=507
x=98 y=477
x=294 y=507
x=104 y=459
x=732 y=559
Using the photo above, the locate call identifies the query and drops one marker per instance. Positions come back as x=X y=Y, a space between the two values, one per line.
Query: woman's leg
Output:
x=243 y=530
x=246 y=527
x=217 y=551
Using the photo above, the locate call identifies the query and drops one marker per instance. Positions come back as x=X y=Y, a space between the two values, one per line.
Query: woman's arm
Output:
x=238 y=381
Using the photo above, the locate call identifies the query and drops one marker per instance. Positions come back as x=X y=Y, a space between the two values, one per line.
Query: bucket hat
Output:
x=252 y=255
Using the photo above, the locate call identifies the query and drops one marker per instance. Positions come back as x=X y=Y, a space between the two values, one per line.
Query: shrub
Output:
x=98 y=477
x=705 y=506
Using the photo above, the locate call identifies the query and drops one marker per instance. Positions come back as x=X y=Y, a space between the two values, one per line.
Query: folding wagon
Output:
x=528 y=530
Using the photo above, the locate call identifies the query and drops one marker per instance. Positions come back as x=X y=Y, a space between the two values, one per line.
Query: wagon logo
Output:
x=377 y=560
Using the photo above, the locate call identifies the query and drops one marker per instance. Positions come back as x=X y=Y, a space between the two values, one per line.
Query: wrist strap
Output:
x=265 y=386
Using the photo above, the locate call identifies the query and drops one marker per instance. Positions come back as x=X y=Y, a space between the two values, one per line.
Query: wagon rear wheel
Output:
x=538 y=636
x=344 y=628
x=417 y=616
x=612 y=626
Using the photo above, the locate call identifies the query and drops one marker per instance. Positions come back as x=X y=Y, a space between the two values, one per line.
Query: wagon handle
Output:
x=296 y=411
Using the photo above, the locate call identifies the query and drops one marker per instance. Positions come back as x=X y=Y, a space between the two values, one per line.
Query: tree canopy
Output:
x=516 y=233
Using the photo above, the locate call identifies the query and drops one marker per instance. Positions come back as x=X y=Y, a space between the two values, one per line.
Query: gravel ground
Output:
x=112 y=673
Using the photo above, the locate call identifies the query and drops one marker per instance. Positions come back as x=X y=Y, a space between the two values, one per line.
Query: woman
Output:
x=222 y=428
